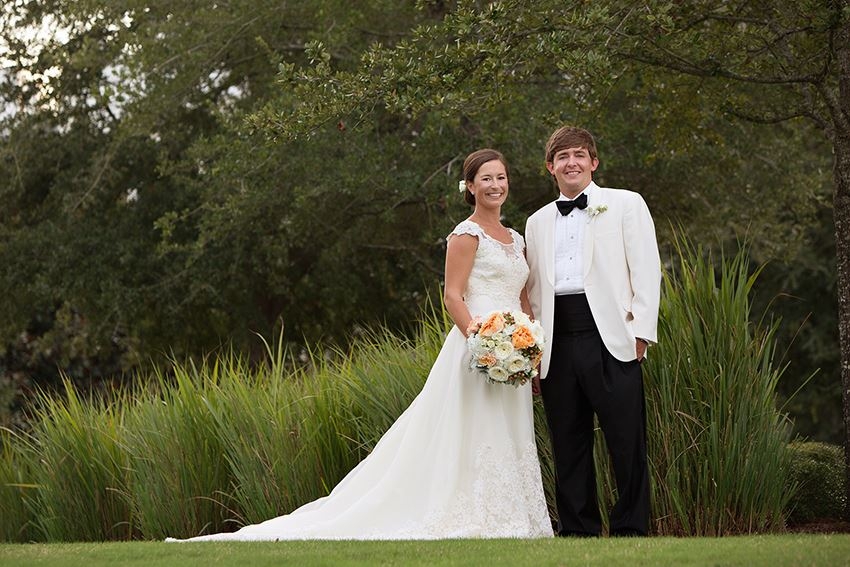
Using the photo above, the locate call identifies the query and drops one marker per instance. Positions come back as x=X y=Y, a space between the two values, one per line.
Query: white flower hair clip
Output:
x=461 y=186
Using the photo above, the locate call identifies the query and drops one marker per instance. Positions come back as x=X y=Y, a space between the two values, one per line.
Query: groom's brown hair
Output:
x=570 y=137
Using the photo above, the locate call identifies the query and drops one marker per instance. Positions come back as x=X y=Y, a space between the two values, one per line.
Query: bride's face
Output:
x=490 y=185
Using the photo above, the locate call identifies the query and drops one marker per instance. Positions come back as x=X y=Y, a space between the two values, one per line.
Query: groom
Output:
x=595 y=286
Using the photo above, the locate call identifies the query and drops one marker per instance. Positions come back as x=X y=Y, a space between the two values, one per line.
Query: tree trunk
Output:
x=841 y=201
x=842 y=243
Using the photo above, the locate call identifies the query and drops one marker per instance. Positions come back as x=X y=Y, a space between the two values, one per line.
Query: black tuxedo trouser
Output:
x=583 y=379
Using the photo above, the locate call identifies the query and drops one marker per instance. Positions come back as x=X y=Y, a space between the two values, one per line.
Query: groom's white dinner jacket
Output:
x=621 y=269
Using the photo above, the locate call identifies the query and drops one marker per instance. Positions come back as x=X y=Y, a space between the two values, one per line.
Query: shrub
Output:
x=817 y=474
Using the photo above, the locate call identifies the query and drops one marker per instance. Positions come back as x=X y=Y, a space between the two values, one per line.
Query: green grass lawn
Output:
x=771 y=550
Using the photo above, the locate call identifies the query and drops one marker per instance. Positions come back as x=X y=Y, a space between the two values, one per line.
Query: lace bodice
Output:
x=498 y=273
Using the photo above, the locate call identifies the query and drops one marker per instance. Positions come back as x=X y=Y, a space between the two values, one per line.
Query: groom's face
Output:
x=573 y=170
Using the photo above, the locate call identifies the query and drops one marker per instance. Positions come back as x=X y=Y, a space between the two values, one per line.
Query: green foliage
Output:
x=699 y=106
x=175 y=449
x=217 y=444
x=817 y=473
x=179 y=176
x=810 y=329
x=81 y=472
x=223 y=444
x=16 y=489
x=474 y=58
x=717 y=442
x=143 y=219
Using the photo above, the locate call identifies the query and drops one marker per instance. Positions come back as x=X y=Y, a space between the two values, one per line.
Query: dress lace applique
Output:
x=504 y=500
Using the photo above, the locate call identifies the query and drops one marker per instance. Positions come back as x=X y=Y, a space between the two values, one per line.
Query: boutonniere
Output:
x=598 y=209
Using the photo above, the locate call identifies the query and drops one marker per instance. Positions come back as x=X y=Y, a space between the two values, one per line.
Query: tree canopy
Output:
x=178 y=176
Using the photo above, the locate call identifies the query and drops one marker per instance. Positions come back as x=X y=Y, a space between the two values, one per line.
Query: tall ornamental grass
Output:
x=296 y=440
x=224 y=445
x=210 y=447
x=80 y=465
x=718 y=445
x=219 y=444
x=179 y=477
x=16 y=488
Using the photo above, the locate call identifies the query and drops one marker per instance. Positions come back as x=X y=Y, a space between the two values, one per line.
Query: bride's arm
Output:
x=526 y=307
x=525 y=303
x=460 y=254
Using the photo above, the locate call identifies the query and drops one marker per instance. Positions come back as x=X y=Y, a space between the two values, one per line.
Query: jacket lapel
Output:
x=593 y=200
x=549 y=242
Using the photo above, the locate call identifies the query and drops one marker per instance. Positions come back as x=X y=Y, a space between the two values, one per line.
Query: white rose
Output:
x=521 y=318
x=517 y=363
x=497 y=374
x=503 y=350
x=537 y=332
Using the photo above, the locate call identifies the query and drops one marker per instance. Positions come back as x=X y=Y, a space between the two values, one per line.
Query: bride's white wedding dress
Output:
x=460 y=462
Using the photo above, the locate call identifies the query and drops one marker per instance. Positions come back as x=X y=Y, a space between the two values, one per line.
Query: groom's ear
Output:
x=594 y=164
x=550 y=166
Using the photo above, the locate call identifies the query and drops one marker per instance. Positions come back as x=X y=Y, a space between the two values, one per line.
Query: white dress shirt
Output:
x=569 y=236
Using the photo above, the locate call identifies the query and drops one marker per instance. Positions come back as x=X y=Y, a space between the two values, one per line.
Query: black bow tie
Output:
x=566 y=207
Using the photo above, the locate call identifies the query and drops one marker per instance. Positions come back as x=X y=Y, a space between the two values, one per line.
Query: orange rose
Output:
x=492 y=325
x=522 y=338
x=487 y=359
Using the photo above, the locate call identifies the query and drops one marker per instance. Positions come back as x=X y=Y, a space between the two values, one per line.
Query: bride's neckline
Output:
x=493 y=238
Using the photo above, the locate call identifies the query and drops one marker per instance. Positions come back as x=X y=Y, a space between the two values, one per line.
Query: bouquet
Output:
x=506 y=347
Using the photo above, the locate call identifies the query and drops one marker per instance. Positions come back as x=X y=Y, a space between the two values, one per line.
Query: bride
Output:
x=461 y=461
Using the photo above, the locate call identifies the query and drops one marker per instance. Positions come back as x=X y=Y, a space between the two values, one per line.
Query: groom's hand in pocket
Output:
x=640 y=349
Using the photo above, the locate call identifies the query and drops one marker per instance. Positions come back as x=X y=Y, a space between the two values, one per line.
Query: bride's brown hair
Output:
x=473 y=163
